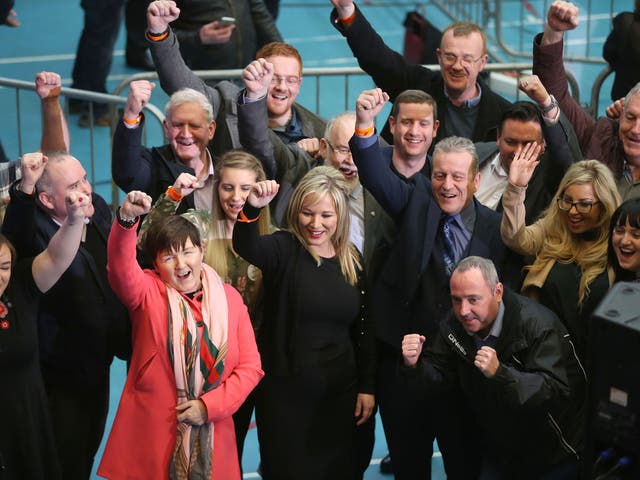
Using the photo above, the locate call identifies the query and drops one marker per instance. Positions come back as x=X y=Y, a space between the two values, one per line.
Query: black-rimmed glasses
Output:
x=581 y=207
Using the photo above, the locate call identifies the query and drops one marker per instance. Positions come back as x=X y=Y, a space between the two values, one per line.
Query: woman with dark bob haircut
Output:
x=194 y=357
x=624 y=241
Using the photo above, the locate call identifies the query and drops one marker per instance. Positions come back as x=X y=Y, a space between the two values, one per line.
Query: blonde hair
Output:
x=560 y=244
x=317 y=183
x=218 y=242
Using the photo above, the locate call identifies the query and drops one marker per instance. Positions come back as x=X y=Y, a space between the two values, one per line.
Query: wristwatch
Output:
x=125 y=223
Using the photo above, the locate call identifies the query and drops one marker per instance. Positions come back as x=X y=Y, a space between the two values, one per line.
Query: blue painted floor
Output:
x=47 y=41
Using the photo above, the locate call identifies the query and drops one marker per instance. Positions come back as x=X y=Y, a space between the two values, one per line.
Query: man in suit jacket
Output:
x=439 y=222
x=81 y=324
x=468 y=107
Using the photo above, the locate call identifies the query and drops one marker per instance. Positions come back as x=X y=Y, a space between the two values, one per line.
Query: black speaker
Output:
x=613 y=431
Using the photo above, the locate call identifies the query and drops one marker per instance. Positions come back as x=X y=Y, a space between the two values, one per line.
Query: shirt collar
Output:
x=496 y=166
x=472 y=102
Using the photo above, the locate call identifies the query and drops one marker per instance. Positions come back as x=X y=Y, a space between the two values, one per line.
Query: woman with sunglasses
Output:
x=569 y=272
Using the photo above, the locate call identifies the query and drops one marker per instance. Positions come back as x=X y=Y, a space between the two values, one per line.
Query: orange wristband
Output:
x=173 y=194
x=136 y=121
x=349 y=20
x=243 y=218
x=157 y=37
x=364 y=133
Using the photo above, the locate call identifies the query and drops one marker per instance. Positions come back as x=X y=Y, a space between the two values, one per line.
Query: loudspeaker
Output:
x=613 y=431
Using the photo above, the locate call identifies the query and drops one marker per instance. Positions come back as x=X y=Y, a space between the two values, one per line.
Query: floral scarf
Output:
x=197 y=351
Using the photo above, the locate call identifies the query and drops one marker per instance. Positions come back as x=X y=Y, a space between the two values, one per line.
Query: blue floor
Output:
x=47 y=41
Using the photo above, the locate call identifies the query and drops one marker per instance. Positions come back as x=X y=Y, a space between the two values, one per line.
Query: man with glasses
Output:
x=468 y=108
x=289 y=122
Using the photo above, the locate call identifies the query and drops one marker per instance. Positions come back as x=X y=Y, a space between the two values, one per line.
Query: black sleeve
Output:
x=130 y=161
x=389 y=70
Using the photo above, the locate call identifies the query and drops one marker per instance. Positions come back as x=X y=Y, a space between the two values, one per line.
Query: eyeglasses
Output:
x=290 y=80
x=466 y=60
x=343 y=151
x=581 y=207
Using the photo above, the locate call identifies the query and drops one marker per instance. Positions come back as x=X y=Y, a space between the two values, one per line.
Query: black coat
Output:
x=532 y=411
x=81 y=323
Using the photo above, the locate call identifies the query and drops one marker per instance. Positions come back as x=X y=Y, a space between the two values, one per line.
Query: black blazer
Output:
x=397 y=292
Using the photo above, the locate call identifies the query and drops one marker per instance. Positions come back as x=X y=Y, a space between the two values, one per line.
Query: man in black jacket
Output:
x=514 y=361
x=189 y=127
x=468 y=108
x=81 y=324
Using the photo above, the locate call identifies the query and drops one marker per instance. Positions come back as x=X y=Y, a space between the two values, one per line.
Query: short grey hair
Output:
x=634 y=91
x=486 y=267
x=458 y=145
x=45 y=183
x=189 y=95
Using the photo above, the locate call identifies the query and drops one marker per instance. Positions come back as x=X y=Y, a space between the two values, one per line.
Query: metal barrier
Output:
x=505 y=85
x=113 y=100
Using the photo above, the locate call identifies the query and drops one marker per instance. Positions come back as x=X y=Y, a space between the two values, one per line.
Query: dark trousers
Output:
x=412 y=420
x=78 y=415
x=241 y=422
x=305 y=421
x=364 y=442
x=94 y=55
x=135 y=20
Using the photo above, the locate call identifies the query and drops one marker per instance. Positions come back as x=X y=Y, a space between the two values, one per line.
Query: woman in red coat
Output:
x=194 y=356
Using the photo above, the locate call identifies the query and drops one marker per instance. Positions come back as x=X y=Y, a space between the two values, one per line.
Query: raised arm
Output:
x=525 y=240
x=561 y=140
x=376 y=176
x=247 y=241
x=130 y=160
x=253 y=119
x=165 y=50
x=388 y=69
x=55 y=131
x=19 y=223
x=124 y=273
x=168 y=202
x=49 y=265
x=549 y=66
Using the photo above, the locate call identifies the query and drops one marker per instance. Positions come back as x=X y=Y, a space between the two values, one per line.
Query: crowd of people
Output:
x=443 y=272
